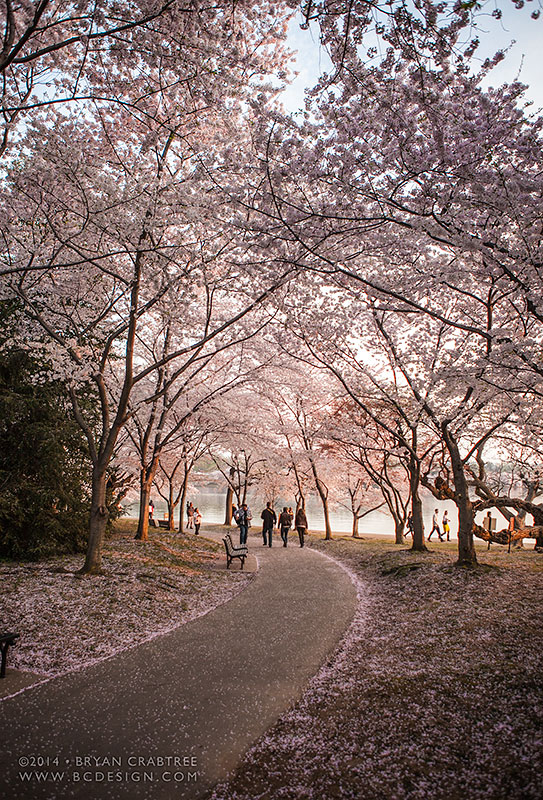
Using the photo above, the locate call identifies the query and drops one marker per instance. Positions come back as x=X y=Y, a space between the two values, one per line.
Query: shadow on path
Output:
x=172 y=716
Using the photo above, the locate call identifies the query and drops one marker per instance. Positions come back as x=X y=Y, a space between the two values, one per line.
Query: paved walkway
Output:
x=174 y=715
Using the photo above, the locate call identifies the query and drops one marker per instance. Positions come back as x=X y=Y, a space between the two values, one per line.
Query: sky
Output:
x=523 y=61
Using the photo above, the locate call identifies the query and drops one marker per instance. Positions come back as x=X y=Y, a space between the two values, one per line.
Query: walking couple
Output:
x=269 y=519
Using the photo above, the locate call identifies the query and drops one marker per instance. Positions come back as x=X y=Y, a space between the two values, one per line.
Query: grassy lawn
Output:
x=147 y=588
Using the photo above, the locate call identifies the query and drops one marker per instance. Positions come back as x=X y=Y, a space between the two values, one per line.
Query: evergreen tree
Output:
x=44 y=477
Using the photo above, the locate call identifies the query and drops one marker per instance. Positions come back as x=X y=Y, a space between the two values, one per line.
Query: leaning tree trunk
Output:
x=299 y=496
x=324 y=500
x=466 y=548
x=323 y=494
x=300 y=500
x=327 y=526
x=228 y=507
x=229 y=498
x=99 y=516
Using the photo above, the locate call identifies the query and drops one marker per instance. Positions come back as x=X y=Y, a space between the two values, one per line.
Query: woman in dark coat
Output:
x=301 y=525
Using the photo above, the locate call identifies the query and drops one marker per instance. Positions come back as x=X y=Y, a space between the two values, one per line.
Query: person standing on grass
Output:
x=269 y=518
x=285 y=521
x=190 y=515
x=301 y=525
x=446 y=526
x=435 y=526
x=197 y=521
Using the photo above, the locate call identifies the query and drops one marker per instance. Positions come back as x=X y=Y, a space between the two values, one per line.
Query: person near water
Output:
x=301 y=525
x=435 y=526
x=269 y=519
x=285 y=522
x=197 y=517
x=243 y=518
x=446 y=526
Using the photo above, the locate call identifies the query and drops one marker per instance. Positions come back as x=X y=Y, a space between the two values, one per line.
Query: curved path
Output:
x=195 y=698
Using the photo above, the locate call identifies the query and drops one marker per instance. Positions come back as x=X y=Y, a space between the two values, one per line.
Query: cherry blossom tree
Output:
x=175 y=396
x=383 y=465
x=237 y=450
x=113 y=224
x=55 y=55
x=409 y=181
x=176 y=464
x=358 y=489
x=303 y=413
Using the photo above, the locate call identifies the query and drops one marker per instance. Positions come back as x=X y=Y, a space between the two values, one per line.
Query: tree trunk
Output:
x=323 y=494
x=327 y=526
x=98 y=520
x=171 y=507
x=418 y=545
x=324 y=500
x=182 y=502
x=466 y=548
x=143 y=521
x=229 y=497
x=228 y=507
x=399 y=525
x=299 y=496
x=147 y=476
x=356 y=520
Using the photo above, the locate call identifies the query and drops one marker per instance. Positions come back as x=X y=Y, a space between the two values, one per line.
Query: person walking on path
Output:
x=410 y=525
x=243 y=518
x=190 y=515
x=435 y=526
x=446 y=526
x=285 y=522
x=301 y=525
x=197 y=521
x=269 y=518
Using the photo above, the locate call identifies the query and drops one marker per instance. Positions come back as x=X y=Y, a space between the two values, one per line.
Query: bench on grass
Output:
x=234 y=551
x=163 y=523
x=6 y=640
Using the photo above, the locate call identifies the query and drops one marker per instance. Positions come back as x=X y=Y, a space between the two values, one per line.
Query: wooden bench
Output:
x=6 y=640
x=234 y=551
x=163 y=523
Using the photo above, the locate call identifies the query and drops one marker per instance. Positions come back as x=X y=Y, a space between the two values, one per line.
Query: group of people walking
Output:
x=243 y=517
x=437 y=529
x=435 y=525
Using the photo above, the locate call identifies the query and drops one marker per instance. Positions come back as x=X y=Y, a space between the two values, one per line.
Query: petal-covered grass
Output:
x=434 y=693
x=66 y=620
